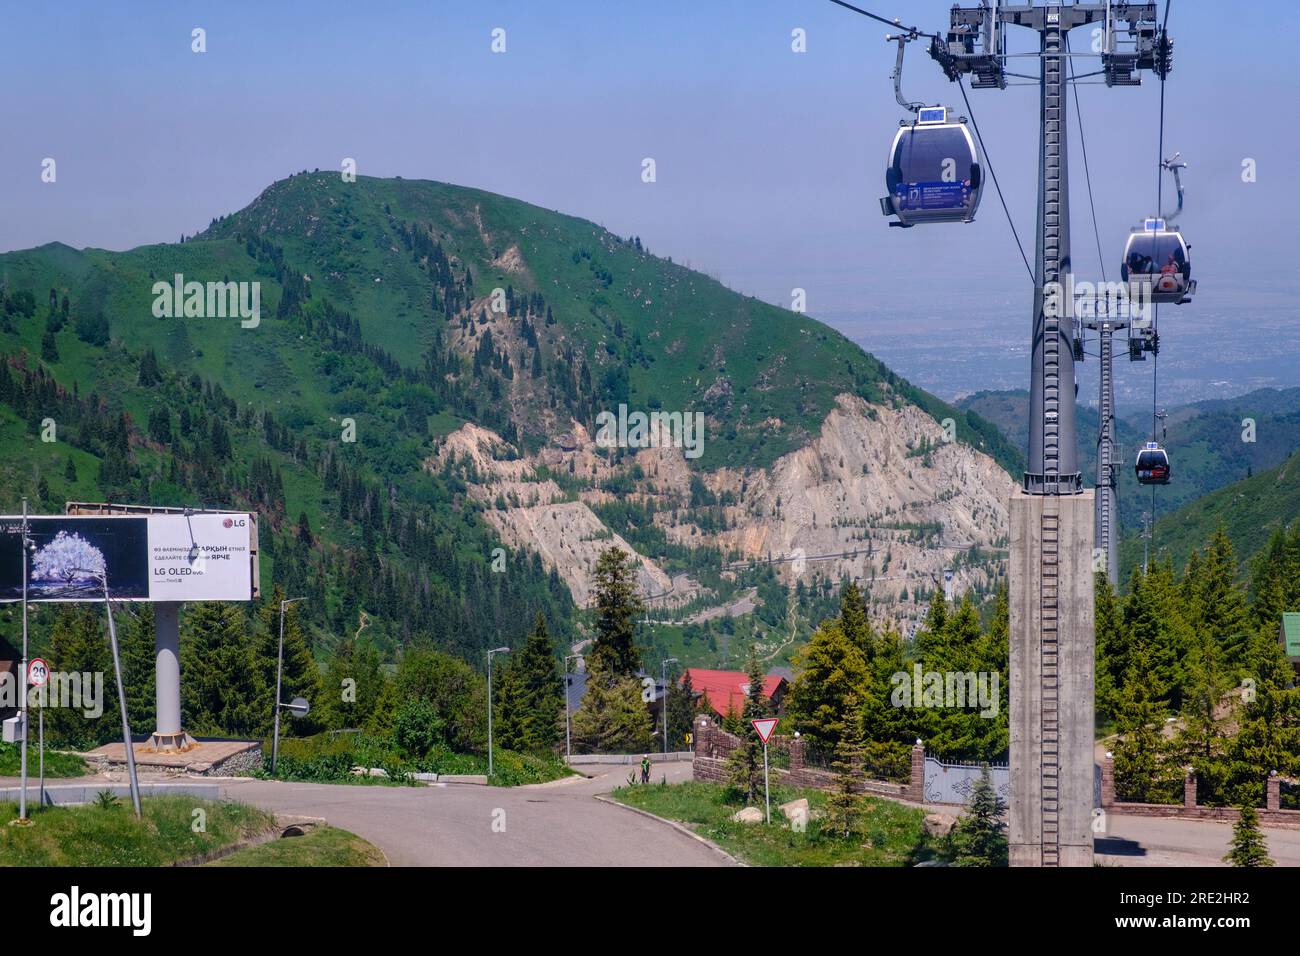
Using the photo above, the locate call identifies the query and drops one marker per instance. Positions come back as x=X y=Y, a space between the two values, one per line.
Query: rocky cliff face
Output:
x=878 y=494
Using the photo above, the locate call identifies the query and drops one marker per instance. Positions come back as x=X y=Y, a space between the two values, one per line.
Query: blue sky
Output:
x=770 y=163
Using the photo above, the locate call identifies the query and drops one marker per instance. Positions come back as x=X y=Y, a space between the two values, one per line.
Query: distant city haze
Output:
x=769 y=163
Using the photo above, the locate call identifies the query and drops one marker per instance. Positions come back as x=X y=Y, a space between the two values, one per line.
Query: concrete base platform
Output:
x=206 y=758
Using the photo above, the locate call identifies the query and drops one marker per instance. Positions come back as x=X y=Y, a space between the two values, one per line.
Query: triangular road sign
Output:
x=765 y=726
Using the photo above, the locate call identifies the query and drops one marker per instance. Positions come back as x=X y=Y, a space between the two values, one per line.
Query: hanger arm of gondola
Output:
x=1175 y=166
x=902 y=40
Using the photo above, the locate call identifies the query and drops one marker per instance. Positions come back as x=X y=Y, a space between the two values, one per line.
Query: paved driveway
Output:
x=554 y=824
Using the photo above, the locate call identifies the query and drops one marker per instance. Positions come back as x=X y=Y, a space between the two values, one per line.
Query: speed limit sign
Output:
x=38 y=672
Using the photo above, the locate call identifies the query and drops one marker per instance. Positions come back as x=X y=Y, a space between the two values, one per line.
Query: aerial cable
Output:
x=1155 y=316
x=961 y=83
x=891 y=23
x=1087 y=175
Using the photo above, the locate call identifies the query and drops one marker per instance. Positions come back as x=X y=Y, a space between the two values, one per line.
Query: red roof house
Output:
x=727 y=690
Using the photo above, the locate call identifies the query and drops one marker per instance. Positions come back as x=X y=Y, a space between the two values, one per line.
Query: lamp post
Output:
x=495 y=650
x=279 y=672
x=568 y=743
x=663 y=671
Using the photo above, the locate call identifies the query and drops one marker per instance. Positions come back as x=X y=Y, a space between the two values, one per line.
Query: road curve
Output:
x=556 y=824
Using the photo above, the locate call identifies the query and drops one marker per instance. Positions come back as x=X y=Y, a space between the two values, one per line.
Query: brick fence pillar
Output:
x=916 y=785
x=796 y=754
x=1189 y=788
x=1274 y=792
x=1108 y=780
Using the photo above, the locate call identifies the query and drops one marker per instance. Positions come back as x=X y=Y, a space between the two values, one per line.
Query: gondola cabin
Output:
x=934 y=171
x=1152 y=465
x=1157 y=258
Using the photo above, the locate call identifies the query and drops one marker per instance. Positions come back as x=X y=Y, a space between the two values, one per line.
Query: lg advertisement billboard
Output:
x=155 y=557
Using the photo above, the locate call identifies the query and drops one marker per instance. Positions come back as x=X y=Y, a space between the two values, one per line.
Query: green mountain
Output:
x=1207 y=442
x=1249 y=510
x=392 y=312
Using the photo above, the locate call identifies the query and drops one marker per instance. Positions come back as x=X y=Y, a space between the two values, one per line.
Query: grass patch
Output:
x=110 y=835
x=56 y=764
x=321 y=846
x=892 y=834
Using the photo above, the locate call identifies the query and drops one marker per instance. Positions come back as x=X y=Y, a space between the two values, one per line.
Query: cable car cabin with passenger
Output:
x=1157 y=259
x=1152 y=465
x=934 y=171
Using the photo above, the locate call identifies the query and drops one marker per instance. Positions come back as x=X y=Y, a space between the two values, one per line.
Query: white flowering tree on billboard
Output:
x=69 y=560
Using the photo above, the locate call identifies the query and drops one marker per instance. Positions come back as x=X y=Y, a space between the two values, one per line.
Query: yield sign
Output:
x=765 y=726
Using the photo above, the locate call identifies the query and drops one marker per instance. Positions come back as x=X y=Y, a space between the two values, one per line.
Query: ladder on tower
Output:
x=1049 y=681
x=1052 y=115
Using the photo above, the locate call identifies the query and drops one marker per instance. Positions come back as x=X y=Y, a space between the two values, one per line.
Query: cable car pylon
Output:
x=1052 y=642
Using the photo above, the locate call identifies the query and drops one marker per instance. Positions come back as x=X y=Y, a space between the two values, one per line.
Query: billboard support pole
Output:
x=121 y=700
x=167 y=677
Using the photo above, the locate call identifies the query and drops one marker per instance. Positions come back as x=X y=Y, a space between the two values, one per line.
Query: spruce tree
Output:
x=979 y=838
x=222 y=689
x=79 y=644
x=745 y=764
x=1249 y=847
x=614 y=655
x=532 y=695
x=845 y=806
x=831 y=670
x=854 y=620
x=1140 y=746
x=680 y=702
x=139 y=665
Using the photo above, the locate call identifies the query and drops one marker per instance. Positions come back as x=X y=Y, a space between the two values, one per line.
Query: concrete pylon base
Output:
x=171 y=743
x=1052 y=671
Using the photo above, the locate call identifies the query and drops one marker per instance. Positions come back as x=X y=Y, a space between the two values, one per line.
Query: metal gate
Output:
x=955 y=782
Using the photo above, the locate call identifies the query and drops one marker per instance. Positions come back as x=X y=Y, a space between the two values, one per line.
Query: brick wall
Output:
x=1271 y=814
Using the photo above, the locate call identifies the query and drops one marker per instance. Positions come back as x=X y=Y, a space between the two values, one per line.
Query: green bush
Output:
x=417 y=728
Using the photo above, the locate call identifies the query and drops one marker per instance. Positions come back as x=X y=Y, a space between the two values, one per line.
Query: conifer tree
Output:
x=681 y=711
x=1249 y=847
x=614 y=655
x=830 y=670
x=745 y=764
x=139 y=665
x=532 y=695
x=845 y=806
x=1139 y=716
x=79 y=644
x=979 y=838
x=222 y=689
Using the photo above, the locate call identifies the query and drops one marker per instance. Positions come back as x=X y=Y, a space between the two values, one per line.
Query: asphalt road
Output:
x=554 y=824
x=1146 y=841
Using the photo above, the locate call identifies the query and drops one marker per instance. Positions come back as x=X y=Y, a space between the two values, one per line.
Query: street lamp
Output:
x=568 y=745
x=495 y=650
x=279 y=672
x=663 y=670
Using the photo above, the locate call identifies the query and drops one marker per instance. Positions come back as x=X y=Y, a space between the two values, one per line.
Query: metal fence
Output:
x=955 y=782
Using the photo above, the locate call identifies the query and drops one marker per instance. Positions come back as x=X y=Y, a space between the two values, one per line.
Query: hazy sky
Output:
x=770 y=163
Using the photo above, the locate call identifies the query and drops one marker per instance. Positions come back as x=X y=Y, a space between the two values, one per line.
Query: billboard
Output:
x=207 y=556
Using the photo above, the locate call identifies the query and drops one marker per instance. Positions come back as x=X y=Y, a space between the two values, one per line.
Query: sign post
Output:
x=765 y=726
x=38 y=674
